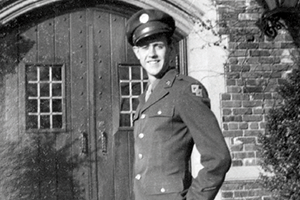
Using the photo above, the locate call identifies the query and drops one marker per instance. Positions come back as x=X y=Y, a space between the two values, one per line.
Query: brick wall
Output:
x=255 y=67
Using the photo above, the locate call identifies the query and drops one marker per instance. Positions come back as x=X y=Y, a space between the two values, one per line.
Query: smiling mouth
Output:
x=153 y=61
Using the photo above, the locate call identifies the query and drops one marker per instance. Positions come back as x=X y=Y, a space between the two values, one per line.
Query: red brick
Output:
x=259 y=53
x=235 y=133
x=239 y=53
x=231 y=104
x=247 y=140
x=254 y=125
x=262 y=67
x=227 y=112
x=262 y=125
x=231 y=118
x=233 y=75
x=237 y=96
x=253 y=132
x=237 y=163
x=240 y=68
x=243 y=155
x=233 y=126
x=233 y=60
x=230 y=82
x=227 y=195
x=256 y=103
x=287 y=45
x=252 y=60
x=257 y=89
x=234 y=89
x=243 y=126
x=258 y=111
x=250 y=147
x=226 y=96
x=247 y=45
x=252 y=118
x=225 y=127
x=238 y=147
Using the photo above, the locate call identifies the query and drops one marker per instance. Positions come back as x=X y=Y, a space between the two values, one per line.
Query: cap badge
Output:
x=144 y=18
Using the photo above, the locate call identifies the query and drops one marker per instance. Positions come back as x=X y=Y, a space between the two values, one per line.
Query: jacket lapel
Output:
x=161 y=90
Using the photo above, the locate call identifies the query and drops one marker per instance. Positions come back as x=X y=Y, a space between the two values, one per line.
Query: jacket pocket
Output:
x=164 y=187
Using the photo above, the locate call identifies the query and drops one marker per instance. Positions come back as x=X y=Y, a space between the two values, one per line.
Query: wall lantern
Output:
x=270 y=22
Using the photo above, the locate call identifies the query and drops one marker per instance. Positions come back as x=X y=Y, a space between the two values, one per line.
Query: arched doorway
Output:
x=69 y=76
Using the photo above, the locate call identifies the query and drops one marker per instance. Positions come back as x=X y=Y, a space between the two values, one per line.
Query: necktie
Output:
x=148 y=92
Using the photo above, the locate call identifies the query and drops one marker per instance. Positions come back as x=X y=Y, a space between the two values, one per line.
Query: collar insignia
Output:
x=197 y=90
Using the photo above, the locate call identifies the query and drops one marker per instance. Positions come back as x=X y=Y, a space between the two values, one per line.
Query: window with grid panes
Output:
x=44 y=97
x=133 y=81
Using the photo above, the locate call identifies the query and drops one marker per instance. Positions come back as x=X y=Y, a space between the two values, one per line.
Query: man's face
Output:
x=153 y=54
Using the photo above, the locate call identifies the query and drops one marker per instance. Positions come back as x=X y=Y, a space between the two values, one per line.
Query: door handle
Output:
x=102 y=137
x=84 y=142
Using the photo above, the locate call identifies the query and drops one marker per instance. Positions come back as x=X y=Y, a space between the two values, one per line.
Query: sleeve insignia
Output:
x=197 y=90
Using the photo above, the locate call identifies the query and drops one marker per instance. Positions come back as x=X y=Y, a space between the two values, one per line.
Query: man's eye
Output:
x=160 y=46
x=144 y=47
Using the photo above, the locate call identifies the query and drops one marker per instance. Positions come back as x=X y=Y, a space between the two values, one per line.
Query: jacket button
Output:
x=140 y=156
x=143 y=116
x=159 y=112
x=163 y=190
x=138 y=177
x=141 y=135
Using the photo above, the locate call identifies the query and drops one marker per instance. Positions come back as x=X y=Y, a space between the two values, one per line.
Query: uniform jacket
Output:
x=176 y=116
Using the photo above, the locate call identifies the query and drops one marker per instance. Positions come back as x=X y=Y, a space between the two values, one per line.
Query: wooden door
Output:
x=66 y=92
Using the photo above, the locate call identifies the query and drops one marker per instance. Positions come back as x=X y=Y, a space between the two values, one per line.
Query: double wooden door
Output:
x=69 y=91
x=70 y=82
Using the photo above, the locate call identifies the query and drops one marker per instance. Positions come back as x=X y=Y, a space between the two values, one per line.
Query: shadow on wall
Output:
x=32 y=169
x=12 y=49
x=293 y=26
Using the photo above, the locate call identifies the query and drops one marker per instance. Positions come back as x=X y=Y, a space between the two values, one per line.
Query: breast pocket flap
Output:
x=161 y=112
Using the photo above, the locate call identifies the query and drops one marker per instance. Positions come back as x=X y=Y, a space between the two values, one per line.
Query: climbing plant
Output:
x=280 y=145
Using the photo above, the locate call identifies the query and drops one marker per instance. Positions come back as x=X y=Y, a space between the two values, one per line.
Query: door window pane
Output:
x=56 y=89
x=32 y=106
x=44 y=105
x=44 y=97
x=57 y=121
x=56 y=74
x=44 y=73
x=31 y=73
x=133 y=81
x=44 y=89
x=32 y=122
x=45 y=121
x=32 y=89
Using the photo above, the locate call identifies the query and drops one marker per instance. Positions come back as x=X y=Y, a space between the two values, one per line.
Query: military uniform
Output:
x=176 y=116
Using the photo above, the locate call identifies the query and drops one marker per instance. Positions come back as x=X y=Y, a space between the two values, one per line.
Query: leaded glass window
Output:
x=44 y=97
x=133 y=81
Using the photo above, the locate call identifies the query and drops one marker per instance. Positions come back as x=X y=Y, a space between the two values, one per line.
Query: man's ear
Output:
x=172 y=47
x=136 y=51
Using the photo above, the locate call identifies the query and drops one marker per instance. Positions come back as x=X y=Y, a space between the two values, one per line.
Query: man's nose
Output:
x=152 y=51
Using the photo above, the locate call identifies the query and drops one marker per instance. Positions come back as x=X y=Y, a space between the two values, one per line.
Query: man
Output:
x=173 y=115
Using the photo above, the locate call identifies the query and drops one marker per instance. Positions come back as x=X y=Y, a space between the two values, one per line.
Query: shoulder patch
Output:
x=197 y=90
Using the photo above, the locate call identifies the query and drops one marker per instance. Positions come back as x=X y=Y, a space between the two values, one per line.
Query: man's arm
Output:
x=215 y=156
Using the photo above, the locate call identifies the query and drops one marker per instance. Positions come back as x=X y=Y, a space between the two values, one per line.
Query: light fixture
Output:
x=270 y=22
